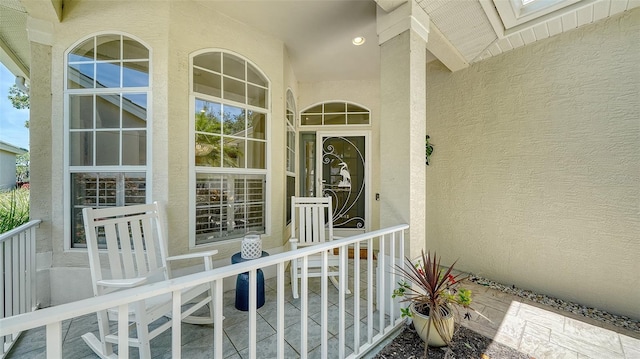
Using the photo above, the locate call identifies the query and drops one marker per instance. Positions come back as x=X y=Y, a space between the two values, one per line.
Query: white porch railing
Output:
x=18 y=284
x=389 y=242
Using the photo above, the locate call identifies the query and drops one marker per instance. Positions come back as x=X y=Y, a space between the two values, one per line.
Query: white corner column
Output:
x=42 y=150
x=402 y=36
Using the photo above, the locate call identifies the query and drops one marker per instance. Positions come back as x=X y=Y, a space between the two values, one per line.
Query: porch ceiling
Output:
x=318 y=33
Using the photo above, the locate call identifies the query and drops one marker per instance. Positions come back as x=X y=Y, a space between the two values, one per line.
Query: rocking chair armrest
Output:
x=194 y=255
x=122 y=283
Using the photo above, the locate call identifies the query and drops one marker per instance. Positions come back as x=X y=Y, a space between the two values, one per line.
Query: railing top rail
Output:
x=91 y=305
x=7 y=235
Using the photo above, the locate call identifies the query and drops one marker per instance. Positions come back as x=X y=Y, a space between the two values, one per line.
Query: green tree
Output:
x=22 y=167
x=209 y=141
x=19 y=100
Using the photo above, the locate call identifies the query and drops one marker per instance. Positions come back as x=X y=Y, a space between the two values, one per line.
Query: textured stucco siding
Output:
x=535 y=178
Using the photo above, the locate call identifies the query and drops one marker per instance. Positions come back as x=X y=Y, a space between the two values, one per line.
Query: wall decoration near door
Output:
x=342 y=171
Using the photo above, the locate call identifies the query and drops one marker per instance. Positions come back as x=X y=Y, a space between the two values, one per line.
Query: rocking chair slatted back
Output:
x=309 y=223
x=134 y=249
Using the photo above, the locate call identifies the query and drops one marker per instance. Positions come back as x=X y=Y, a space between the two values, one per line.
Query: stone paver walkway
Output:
x=544 y=332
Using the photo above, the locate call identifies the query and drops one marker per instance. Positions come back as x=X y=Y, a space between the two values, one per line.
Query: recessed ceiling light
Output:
x=358 y=40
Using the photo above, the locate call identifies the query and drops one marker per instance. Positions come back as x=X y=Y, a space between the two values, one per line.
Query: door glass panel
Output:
x=343 y=170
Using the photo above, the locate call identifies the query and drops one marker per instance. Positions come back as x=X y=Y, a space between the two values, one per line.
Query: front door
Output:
x=342 y=167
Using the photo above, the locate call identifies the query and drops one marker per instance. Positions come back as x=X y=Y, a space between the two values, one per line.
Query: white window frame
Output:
x=290 y=127
x=68 y=169
x=513 y=13
x=193 y=169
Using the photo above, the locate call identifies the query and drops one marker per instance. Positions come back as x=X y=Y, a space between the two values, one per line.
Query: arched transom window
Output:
x=335 y=113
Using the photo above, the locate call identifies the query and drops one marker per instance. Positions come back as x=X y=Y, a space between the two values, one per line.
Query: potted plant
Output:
x=434 y=294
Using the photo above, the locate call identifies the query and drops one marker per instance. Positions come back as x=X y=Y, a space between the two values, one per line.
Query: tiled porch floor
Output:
x=537 y=330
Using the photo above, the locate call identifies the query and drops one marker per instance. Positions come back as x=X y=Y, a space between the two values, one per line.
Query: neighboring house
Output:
x=8 y=155
x=223 y=109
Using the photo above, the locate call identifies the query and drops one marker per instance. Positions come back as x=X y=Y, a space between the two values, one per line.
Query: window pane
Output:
x=134 y=110
x=234 y=90
x=311 y=119
x=256 y=96
x=256 y=126
x=355 y=108
x=207 y=83
x=233 y=152
x=207 y=151
x=254 y=76
x=108 y=47
x=210 y=60
x=227 y=206
x=208 y=115
x=102 y=190
x=291 y=191
x=234 y=121
x=233 y=66
x=358 y=119
x=335 y=119
x=132 y=49
x=108 y=111
x=80 y=76
x=256 y=154
x=107 y=148
x=334 y=107
x=107 y=75
x=134 y=148
x=314 y=109
x=135 y=74
x=83 y=52
x=80 y=112
x=81 y=148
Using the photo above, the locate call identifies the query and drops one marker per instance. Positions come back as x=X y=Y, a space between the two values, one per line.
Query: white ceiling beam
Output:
x=390 y=5
x=49 y=10
x=408 y=16
x=441 y=48
x=11 y=61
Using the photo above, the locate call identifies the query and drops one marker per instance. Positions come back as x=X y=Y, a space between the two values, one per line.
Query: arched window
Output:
x=335 y=113
x=107 y=126
x=290 y=144
x=230 y=105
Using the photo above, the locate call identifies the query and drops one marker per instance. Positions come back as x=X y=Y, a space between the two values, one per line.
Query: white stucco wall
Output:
x=535 y=177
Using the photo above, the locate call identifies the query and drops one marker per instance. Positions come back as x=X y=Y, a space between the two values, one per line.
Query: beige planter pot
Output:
x=420 y=321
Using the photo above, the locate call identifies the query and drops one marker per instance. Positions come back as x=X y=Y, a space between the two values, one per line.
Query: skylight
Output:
x=518 y=12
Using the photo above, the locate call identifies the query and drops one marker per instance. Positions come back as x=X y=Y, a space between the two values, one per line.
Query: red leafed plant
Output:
x=434 y=291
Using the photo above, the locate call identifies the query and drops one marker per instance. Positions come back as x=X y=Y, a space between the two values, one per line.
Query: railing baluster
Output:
x=176 y=327
x=280 y=310
x=356 y=298
x=217 y=318
x=54 y=340
x=341 y=299
x=123 y=331
x=370 y=298
x=324 y=304
x=253 y=312
x=382 y=291
x=392 y=275
x=304 y=312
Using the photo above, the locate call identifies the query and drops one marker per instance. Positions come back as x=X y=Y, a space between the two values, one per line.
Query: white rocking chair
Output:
x=142 y=260
x=312 y=223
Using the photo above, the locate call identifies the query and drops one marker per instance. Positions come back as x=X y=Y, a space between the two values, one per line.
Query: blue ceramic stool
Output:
x=242 y=284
